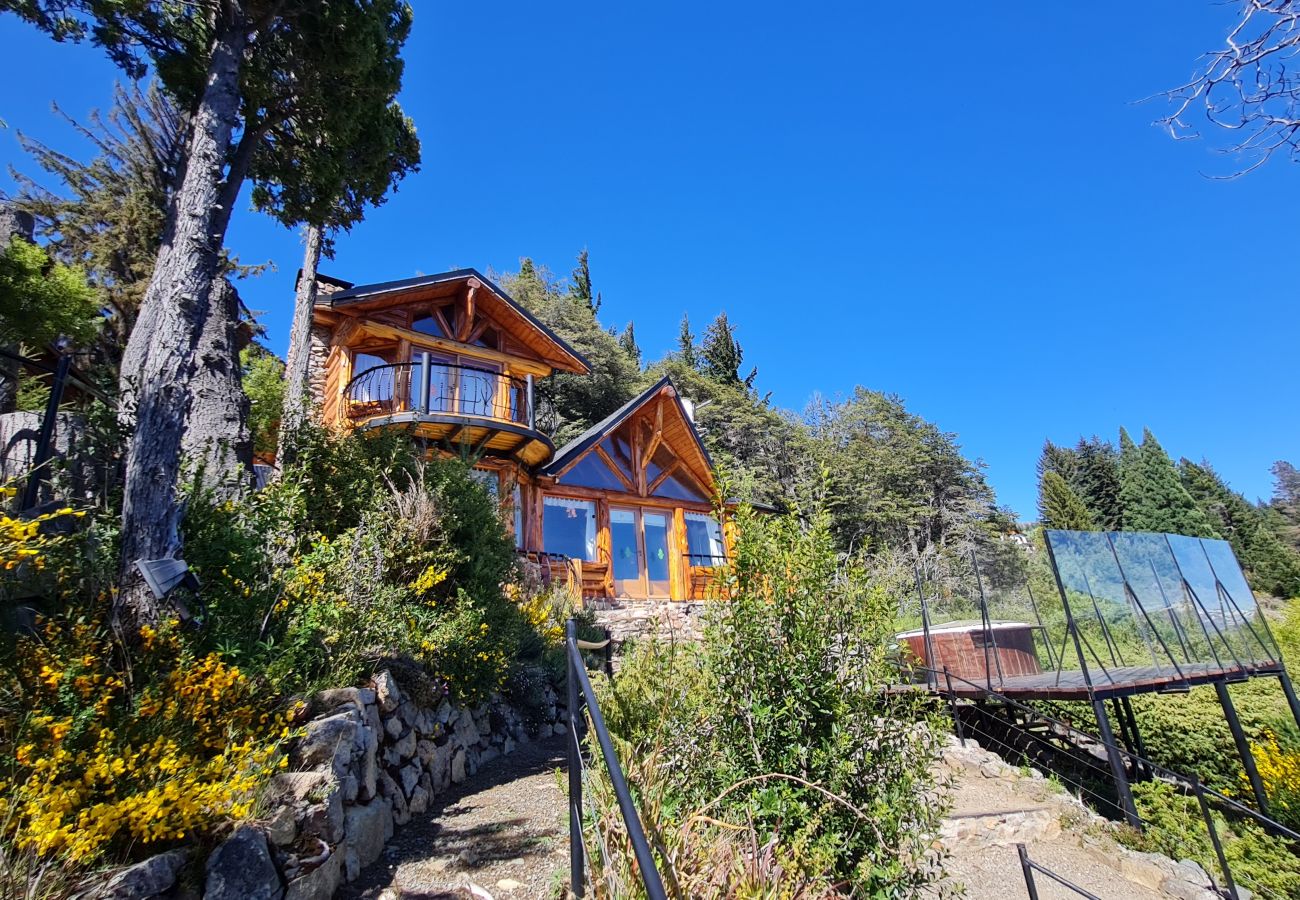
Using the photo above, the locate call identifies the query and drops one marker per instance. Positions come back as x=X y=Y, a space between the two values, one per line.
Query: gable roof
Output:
x=570 y=452
x=502 y=306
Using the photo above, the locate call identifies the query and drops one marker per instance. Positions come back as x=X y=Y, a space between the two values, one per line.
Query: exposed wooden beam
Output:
x=663 y=476
x=614 y=467
x=466 y=320
x=517 y=364
x=481 y=326
x=658 y=436
x=443 y=322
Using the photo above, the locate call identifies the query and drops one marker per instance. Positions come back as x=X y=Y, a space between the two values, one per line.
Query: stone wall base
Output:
x=666 y=619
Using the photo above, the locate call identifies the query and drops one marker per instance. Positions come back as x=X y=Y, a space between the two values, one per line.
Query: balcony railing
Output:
x=428 y=387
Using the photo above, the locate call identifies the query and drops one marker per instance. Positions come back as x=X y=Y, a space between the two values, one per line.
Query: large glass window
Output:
x=569 y=528
x=591 y=471
x=518 y=501
x=490 y=480
x=704 y=540
x=428 y=324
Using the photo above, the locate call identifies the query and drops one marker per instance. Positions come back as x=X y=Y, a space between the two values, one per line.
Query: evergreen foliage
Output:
x=686 y=348
x=264 y=384
x=1061 y=460
x=894 y=478
x=110 y=216
x=582 y=283
x=1152 y=494
x=1286 y=500
x=42 y=300
x=1059 y=506
x=627 y=340
x=1097 y=482
x=721 y=354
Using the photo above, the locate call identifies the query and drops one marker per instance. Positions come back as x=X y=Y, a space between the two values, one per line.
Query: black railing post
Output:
x=1243 y=746
x=952 y=704
x=1028 y=872
x=1289 y=691
x=576 y=880
x=41 y=458
x=1214 y=837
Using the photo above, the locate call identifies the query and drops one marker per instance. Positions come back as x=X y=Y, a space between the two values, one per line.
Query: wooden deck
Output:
x=1121 y=681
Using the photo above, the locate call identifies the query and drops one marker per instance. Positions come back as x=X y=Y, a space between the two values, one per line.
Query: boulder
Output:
x=320 y=882
x=458 y=767
x=409 y=777
x=330 y=740
x=387 y=693
x=419 y=802
x=151 y=878
x=326 y=818
x=335 y=697
x=369 y=825
x=393 y=725
x=405 y=745
x=282 y=826
x=391 y=791
x=465 y=732
x=241 y=869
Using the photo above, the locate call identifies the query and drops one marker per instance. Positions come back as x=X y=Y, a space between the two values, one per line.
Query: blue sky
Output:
x=963 y=205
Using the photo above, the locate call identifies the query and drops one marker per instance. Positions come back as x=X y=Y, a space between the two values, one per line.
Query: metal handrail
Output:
x=580 y=692
x=1028 y=867
x=1191 y=783
x=427 y=386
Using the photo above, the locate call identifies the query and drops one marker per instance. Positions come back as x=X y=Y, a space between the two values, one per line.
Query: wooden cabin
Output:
x=624 y=511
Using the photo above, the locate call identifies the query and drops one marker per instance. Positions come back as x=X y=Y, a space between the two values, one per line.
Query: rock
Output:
x=466 y=732
x=350 y=787
x=439 y=767
x=508 y=747
x=424 y=722
x=559 y=728
x=368 y=826
x=241 y=869
x=409 y=777
x=297 y=787
x=419 y=802
x=368 y=771
x=330 y=740
x=509 y=884
x=405 y=745
x=487 y=754
x=424 y=751
x=336 y=697
x=1184 y=890
x=458 y=767
x=282 y=826
x=393 y=725
x=156 y=875
x=1141 y=869
x=387 y=693
x=444 y=712
x=326 y=819
x=320 y=882
x=392 y=792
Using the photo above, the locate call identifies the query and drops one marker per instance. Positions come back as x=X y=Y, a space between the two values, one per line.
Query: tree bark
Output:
x=297 y=370
x=217 y=442
x=159 y=363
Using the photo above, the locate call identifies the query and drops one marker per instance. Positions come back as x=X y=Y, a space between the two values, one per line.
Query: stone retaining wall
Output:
x=371 y=758
x=666 y=619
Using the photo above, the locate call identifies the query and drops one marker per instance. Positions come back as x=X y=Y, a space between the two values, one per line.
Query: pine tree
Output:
x=627 y=340
x=1097 y=482
x=686 y=349
x=1153 y=495
x=1286 y=500
x=721 y=354
x=1060 y=460
x=1059 y=506
x=582 y=283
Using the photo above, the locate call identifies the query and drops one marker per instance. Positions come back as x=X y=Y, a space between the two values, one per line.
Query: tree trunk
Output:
x=297 y=370
x=216 y=441
x=159 y=363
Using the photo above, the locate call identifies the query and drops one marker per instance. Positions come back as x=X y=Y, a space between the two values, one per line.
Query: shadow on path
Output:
x=503 y=829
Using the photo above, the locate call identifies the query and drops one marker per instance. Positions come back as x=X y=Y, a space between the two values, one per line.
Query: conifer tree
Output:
x=627 y=340
x=1059 y=506
x=1097 y=482
x=686 y=349
x=1153 y=495
x=582 y=283
x=1060 y=460
x=721 y=353
x=1286 y=500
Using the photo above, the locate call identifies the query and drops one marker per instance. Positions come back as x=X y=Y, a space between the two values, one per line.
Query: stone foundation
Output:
x=665 y=619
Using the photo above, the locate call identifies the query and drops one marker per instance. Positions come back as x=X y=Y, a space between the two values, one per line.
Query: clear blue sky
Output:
x=960 y=204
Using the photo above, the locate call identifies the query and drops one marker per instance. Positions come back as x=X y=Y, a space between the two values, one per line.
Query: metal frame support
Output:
x=1116 y=764
x=1243 y=746
x=532 y=407
x=577 y=880
x=45 y=439
x=1028 y=871
x=1214 y=837
x=952 y=705
x=1289 y=690
x=426 y=383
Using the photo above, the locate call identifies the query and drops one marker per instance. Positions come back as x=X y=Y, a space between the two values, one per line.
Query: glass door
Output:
x=625 y=545
x=657 y=560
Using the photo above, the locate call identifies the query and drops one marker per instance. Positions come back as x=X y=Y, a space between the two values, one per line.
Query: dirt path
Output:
x=503 y=831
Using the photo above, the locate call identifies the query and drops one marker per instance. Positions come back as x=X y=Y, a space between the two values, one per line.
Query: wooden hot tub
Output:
x=960 y=646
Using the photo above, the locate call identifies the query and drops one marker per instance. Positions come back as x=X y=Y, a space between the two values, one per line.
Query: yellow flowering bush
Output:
x=99 y=757
x=25 y=544
x=1279 y=769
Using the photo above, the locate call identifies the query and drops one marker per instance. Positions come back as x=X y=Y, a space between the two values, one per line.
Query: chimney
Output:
x=689 y=405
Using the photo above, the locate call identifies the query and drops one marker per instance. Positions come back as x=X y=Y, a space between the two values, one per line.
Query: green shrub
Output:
x=777 y=726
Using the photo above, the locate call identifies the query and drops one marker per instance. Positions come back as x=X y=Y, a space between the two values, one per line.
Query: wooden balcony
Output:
x=460 y=407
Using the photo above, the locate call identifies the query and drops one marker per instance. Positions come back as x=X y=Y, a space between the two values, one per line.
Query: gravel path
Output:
x=994 y=873
x=503 y=831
